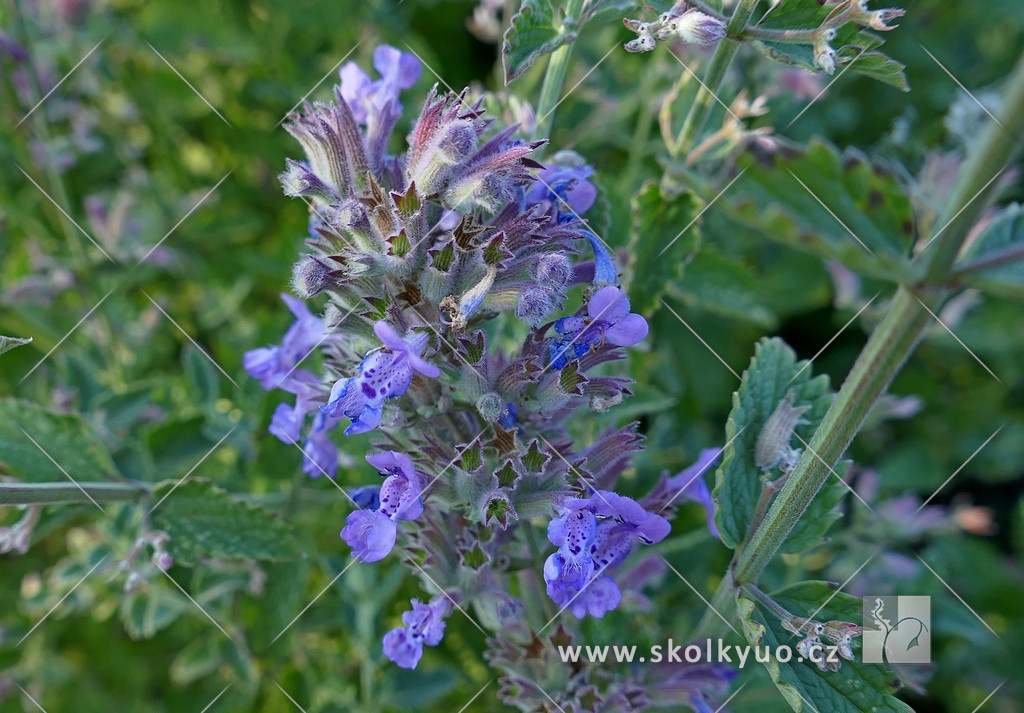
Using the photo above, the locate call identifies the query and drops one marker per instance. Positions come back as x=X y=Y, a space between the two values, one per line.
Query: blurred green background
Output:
x=131 y=152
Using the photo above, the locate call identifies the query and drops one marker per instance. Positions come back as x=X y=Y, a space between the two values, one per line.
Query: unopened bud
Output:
x=694 y=27
x=310 y=276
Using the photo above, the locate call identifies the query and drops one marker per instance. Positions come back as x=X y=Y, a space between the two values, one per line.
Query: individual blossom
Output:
x=576 y=575
x=567 y=190
x=608 y=320
x=701 y=684
x=383 y=374
x=320 y=455
x=273 y=365
x=689 y=485
x=424 y=625
x=371 y=533
x=365 y=97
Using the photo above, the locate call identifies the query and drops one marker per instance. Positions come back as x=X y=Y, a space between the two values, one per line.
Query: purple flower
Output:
x=570 y=568
x=383 y=374
x=423 y=625
x=398 y=71
x=273 y=365
x=589 y=547
x=566 y=188
x=689 y=485
x=608 y=320
x=371 y=533
x=320 y=455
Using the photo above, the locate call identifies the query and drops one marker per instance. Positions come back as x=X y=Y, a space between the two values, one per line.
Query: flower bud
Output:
x=534 y=305
x=309 y=277
x=491 y=407
x=553 y=270
x=694 y=27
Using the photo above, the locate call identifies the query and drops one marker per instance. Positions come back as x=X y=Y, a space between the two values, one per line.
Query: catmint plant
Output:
x=418 y=255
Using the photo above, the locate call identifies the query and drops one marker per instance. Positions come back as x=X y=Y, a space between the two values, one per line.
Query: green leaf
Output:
x=1001 y=236
x=67 y=438
x=202 y=374
x=724 y=287
x=659 y=247
x=880 y=66
x=773 y=372
x=282 y=597
x=9 y=343
x=531 y=35
x=204 y=520
x=600 y=11
x=144 y=614
x=854 y=688
x=837 y=206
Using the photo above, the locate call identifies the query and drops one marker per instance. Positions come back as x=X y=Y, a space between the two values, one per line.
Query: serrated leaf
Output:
x=882 y=67
x=724 y=287
x=837 y=206
x=773 y=372
x=204 y=520
x=9 y=343
x=854 y=688
x=664 y=236
x=1003 y=233
x=67 y=438
x=531 y=35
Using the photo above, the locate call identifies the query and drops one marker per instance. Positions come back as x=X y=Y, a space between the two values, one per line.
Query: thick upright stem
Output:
x=892 y=341
x=554 y=76
x=70 y=493
x=720 y=62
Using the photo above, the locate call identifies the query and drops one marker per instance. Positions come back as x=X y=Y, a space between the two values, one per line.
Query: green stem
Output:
x=995 y=150
x=807 y=37
x=70 y=493
x=554 y=76
x=720 y=62
x=890 y=344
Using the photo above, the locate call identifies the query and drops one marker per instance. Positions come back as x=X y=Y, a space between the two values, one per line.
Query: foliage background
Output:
x=134 y=139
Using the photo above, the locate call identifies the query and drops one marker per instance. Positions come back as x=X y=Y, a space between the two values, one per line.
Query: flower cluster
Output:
x=811 y=647
x=682 y=23
x=415 y=254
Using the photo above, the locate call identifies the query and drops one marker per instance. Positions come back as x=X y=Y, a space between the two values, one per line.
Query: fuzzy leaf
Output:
x=67 y=438
x=532 y=34
x=724 y=287
x=204 y=520
x=657 y=261
x=9 y=343
x=855 y=688
x=863 y=220
x=773 y=372
x=1003 y=233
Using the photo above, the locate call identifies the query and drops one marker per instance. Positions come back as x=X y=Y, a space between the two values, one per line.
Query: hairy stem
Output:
x=712 y=80
x=71 y=493
x=892 y=341
x=890 y=345
x=554 y=76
